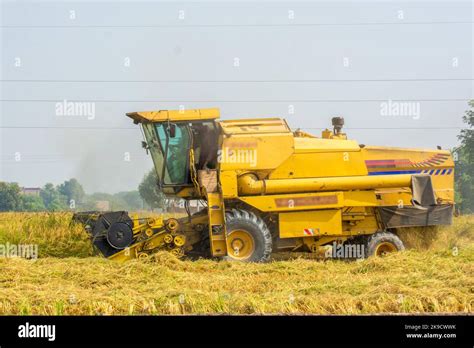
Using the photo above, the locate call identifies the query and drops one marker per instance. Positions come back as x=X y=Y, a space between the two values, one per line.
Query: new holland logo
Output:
x=310 y=231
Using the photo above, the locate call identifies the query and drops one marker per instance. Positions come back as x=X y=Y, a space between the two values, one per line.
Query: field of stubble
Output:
x=436 y=275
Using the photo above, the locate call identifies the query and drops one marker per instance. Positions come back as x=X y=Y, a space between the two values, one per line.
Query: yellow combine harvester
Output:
x=270 y=189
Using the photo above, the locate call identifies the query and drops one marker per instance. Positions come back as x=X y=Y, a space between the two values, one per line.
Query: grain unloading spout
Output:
x=250 y=185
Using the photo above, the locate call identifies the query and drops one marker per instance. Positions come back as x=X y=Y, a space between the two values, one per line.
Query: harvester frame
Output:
x=269 y=188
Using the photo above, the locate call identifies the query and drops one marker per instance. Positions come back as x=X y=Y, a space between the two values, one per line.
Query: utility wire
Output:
x=241 y=25
x=294 y=128
x=243 y=81
x=235 y=101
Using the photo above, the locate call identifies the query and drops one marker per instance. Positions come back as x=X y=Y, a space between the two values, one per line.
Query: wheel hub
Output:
x=240 y=244
x=385 y=248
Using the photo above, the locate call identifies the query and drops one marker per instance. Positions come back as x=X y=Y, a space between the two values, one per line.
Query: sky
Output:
x=399 y=72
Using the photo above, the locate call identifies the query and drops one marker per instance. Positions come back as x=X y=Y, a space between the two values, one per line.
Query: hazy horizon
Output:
x=304 y=61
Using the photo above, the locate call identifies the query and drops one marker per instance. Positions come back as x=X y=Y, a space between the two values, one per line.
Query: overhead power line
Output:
x=294 y=128
x=237 y=101
x=237 y=25
x=244 y=81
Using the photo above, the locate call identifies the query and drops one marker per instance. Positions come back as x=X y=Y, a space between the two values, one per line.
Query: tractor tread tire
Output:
x=381 y=237
x=238 y=218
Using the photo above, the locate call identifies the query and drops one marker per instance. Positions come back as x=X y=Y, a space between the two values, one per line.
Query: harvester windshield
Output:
x=175 y=145
x=169 y=146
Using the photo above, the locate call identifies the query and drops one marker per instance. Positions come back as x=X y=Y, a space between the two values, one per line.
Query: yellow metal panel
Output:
x=413 y=153
x=394 y=196
x=368 y=225
x=437 y=163
x=310 y=223
x=406 y=159
x=311 y=145
x=255 y=152
x=255 y=125
x=360 y=198
x=299 y=201
x=321 y=164
x=174 y=115
x=444 y=187
x=228 y=180
x=445 y=195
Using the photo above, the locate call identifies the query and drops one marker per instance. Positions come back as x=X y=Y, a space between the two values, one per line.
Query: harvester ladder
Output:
x=217 y=231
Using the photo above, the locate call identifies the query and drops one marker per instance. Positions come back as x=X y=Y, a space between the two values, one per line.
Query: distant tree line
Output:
x=464 y=160
x=69 y=195
x=52 y=198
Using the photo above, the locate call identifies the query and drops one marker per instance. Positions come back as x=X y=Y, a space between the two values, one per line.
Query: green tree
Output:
x=52 y=199
x=464 y=160
x=73 y=191
x=10 y=196
x=150 y=191
x=126 y=200
x=90 y=201
x=32 y=203
x=131 y=200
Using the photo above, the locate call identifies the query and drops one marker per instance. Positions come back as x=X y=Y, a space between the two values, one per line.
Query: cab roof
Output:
x=174 y=115
x=239 y=126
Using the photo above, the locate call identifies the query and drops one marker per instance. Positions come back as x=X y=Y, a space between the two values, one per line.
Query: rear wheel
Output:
x=248 y=237
x=383 y=243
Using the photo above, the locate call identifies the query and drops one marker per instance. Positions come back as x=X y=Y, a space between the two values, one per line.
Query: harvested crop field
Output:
x=435 y=277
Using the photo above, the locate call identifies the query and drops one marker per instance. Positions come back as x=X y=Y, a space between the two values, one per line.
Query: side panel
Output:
x=388 y=161
x=301 y=201
x=310 y=223
x=321 y=164
x=312 y=201
x=228 y=181
x=366 y=198
x=255 y=151
x=315 y=157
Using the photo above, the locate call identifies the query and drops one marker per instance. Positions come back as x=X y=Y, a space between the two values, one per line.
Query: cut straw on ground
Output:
x=436 y=277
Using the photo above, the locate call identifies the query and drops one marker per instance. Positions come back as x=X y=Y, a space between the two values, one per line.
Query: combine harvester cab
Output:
x=268 y=188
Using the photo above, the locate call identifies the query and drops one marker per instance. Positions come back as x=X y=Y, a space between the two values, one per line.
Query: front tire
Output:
x=248 y=237
x=383 y=243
